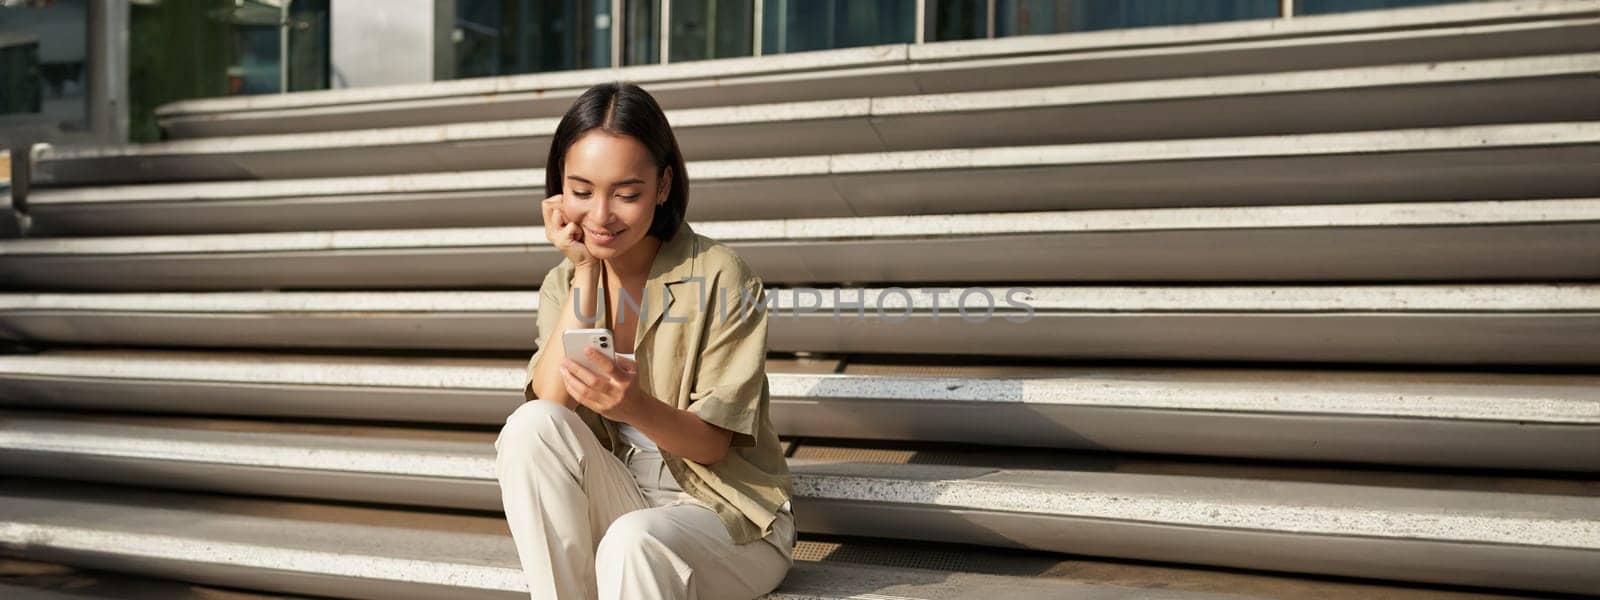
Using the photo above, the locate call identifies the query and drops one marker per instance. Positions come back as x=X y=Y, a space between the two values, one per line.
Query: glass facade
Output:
x=1319 y=7
x=959 y=20
x=801 y=25
x=180 y=49
x=308 y=29
x=499 y=37
x=969 y=19
x=1025 y=17
x=506 y=37
x=641 y=40
x=704 y=29
x=43 y=64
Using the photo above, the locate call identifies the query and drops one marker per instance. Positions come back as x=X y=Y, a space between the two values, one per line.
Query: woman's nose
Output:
x=602 y=210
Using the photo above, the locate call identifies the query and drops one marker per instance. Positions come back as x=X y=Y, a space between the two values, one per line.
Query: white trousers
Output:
x=589 y=524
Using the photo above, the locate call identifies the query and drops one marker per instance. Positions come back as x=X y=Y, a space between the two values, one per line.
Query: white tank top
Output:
x=632 y=436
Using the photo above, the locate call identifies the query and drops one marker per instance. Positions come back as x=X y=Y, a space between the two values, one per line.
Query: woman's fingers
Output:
x=576 y=385
x=563 y=232
x=605 y=375
x=584 y=386
x=552 y=211
x=576 y=389
x=554 y=220
x=578 y=371
x=604 y=367
x=574 y=381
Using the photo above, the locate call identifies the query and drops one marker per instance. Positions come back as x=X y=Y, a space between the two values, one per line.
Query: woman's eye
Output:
x=630 y=198
x=581 y=194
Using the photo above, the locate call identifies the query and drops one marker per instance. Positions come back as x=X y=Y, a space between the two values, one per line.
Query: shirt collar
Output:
x=672 y=264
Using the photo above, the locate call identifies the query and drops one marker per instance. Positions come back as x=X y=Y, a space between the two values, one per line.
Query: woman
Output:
x=658 y=475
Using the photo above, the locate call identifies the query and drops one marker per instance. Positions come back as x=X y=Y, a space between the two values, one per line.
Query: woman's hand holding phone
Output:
x=565 y=235
x=599 y=379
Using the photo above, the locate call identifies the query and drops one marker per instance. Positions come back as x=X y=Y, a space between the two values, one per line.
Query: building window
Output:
x=508 y=37
x=182 y=49
x=801 y=25
x=308 y=28
x=959 y=20
x=641 y=40
x=704 y=29
x=43 y=64
x=505 y=37
x=969 y=19
x=1319 y=7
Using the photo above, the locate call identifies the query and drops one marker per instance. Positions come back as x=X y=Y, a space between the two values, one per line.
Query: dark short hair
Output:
x=624 y=109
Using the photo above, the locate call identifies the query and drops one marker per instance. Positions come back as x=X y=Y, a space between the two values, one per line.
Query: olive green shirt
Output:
x=706 y=352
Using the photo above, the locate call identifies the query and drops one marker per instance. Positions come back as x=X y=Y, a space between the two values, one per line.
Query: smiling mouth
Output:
x=604 y=236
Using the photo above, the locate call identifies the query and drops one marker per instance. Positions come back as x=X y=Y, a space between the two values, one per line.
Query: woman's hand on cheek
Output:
x=613 y=392
x=565 y=234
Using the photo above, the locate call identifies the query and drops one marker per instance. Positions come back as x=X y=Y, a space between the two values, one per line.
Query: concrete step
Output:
x=32 y=580
x=1524 y=324
x=1521 y=533
x=1236 y=583
x=1450 y=419
x=359 y=552
x=885 y=569
x=1334 y=521
x=1522 y=240
x=1430 y=34
x=1546 y=160
x=1493 y=91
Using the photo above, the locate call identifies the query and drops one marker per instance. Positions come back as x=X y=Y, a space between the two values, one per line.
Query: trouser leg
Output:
x=561 y=490
x=679 y=549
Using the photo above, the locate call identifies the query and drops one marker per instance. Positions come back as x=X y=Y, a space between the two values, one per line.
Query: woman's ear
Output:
x=665 y=186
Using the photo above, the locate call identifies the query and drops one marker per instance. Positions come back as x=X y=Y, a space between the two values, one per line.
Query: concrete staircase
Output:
x=1313 y=310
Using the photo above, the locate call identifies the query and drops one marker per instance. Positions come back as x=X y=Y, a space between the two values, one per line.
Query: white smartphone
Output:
x=573 y=341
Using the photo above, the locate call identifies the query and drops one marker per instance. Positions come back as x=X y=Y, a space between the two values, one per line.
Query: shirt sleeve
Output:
x=551 y=295
x=731 y=383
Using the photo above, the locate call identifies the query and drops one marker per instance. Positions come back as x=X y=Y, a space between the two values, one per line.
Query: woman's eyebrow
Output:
x=623 y=182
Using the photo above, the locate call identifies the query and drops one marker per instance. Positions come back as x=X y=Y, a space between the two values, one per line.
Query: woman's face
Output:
x=611 y=190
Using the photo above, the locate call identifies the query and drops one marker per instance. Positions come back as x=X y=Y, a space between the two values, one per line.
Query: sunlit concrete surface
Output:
x=1457 y=163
